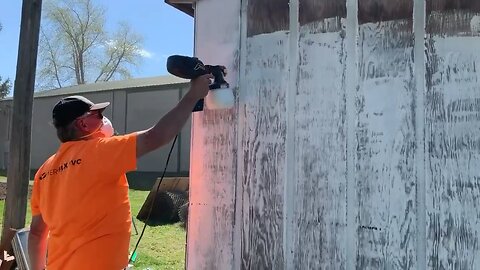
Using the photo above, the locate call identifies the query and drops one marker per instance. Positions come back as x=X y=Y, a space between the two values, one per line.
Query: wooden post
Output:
x=19 y=162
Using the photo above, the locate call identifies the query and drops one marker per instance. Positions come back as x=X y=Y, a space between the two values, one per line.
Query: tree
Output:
x=5 y=85
x=75 y=48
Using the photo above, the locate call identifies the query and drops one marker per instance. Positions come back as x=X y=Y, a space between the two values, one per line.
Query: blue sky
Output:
x=165 y=30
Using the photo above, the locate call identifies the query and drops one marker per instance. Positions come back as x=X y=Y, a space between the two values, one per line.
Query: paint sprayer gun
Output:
x=220 y=96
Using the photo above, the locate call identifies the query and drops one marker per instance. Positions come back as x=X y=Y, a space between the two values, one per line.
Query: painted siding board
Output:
x=385 y=145
x=214 y=135
x=320 y=146
x=451 y=129
x=263 y=146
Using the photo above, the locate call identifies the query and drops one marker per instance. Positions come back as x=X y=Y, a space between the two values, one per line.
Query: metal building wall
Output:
x=354 y=140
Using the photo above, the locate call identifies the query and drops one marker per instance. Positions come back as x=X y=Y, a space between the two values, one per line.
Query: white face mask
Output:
x=107 y=128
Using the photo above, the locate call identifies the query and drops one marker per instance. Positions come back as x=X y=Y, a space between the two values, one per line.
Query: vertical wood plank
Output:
x=385 y=137
x=320 y=138
x=20 y=144
x=452 y=135
x=213 y=162
x=264 y=135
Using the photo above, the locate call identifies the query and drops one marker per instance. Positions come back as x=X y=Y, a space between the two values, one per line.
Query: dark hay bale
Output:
x=183 y=214
x=165 y=208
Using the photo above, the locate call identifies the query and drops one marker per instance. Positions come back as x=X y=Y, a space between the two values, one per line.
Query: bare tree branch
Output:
x=77 y=48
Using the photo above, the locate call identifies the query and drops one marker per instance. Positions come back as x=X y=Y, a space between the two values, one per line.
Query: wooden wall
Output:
x=353 y=142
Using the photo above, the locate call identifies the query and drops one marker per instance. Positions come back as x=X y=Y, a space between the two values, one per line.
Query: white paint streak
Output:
x=290 y=172
x=351 y=89
x=419 y=58
x=453 y=193
x=213 y=166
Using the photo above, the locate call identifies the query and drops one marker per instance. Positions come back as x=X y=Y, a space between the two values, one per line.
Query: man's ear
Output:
x=81 y=125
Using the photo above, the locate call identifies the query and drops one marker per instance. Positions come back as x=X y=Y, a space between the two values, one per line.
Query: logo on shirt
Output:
x=6 y=257
x=63 y=167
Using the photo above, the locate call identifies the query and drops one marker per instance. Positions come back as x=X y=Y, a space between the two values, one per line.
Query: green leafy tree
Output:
x=75 y=47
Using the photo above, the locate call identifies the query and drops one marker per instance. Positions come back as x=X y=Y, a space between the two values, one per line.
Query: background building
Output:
x=136 y=104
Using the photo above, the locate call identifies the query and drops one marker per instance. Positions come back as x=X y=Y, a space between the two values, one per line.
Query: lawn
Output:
x=162 y=247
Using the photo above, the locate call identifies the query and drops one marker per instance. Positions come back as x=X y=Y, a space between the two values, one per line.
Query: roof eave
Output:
x=185 y=6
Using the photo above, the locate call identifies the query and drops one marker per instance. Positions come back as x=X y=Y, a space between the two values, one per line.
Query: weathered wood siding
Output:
x=263 y=110
x=353 y=143
x=211 y=216
x=452 y=139
x=385 y=145
x=319 y=165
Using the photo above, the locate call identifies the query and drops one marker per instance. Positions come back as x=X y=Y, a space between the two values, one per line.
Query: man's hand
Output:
x=199 y=87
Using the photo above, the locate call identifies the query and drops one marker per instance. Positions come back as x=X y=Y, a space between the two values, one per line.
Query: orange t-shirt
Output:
x=82 y=194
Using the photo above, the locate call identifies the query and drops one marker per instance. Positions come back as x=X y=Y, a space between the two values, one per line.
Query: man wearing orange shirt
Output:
x=80 y=206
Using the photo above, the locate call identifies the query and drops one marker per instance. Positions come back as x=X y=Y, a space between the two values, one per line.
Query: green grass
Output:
x=162 y=247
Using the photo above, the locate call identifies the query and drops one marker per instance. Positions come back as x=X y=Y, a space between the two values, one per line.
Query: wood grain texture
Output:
x=450 y=5
x=453 y=23
x=385 y=147
x=314 y=10
x=452 y=141
x=320 y=148
x=263 y=146
x=211 y=223
x=267 y=16
x=384 y=10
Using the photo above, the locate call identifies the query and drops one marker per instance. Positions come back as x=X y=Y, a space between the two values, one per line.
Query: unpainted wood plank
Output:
x=451 y=5
x=452 y=140
x=384 y=10
x=263 y=147
x=320 y=147
x=315 y=10
x=385 y=145
x=453 y=23
x=267 y=16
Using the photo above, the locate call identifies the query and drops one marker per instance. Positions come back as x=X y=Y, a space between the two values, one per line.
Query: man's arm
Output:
x=171 y=124
x=37 y=243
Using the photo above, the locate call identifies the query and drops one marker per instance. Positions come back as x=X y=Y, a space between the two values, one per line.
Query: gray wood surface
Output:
x=385 y=146
x=211 y=219
x=320 y=141
x=452 y=135
x=267 y=16
x=263 y=151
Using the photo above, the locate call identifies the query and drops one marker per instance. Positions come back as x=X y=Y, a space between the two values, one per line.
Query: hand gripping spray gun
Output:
x=220 y=96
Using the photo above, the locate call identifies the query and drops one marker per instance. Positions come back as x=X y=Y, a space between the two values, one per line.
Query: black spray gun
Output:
x=221 y=96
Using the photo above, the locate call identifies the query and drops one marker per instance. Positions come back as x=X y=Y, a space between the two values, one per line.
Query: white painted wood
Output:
x=351 y=83
x=213 y=162
x=385 y=143
x=452 y=135
x=349 y=147
x=264 y=150
x=320 y=142
x=290 y=222
x=419 y=16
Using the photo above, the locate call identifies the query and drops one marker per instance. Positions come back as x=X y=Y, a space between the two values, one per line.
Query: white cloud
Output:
x=144 y=53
